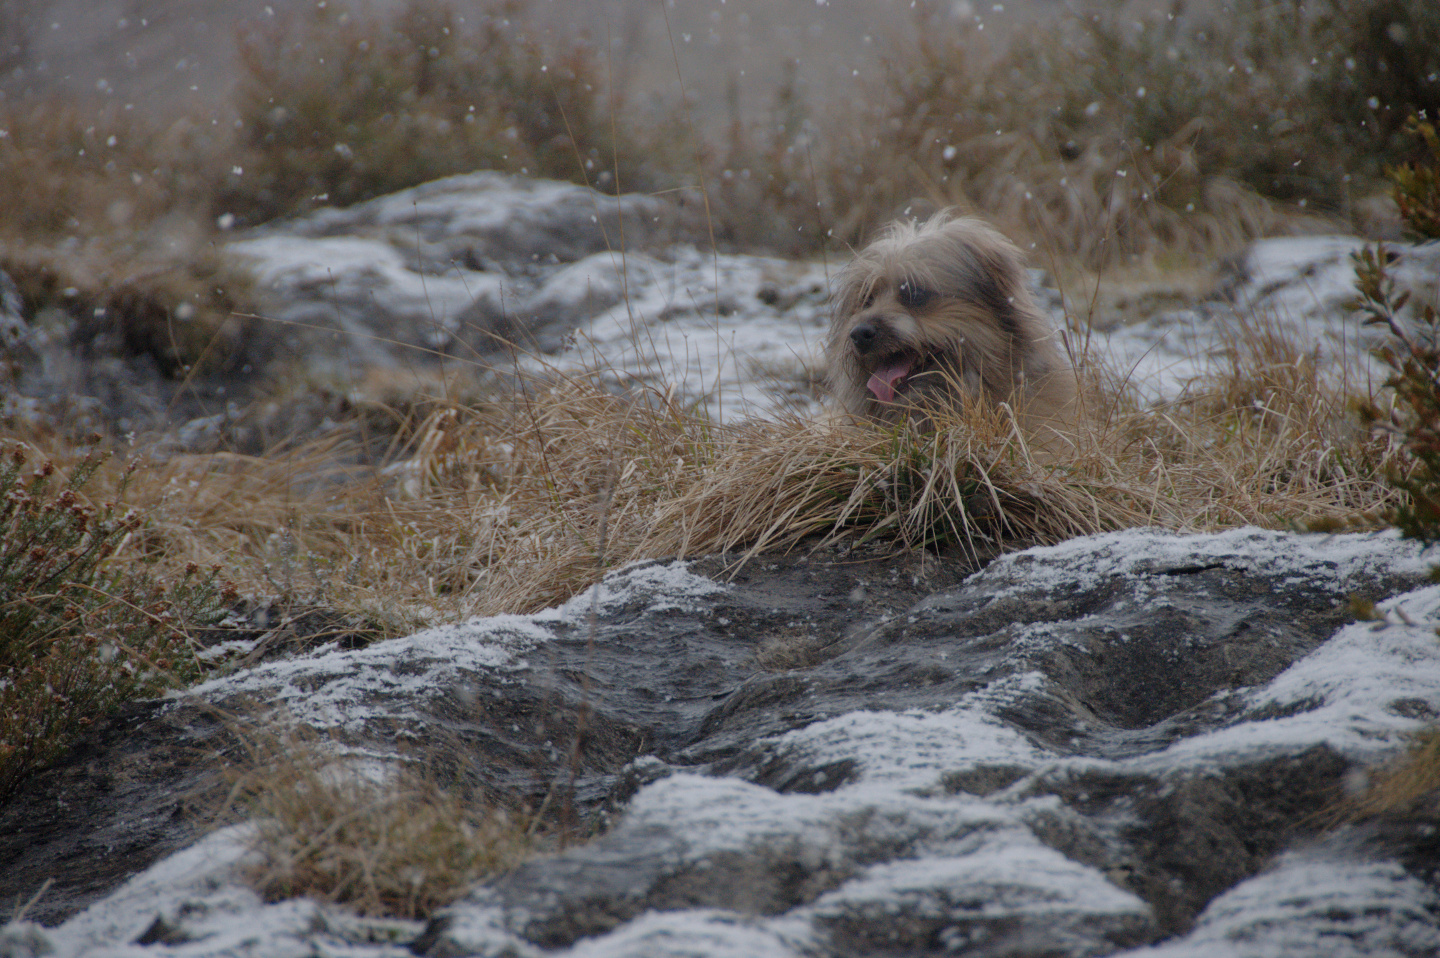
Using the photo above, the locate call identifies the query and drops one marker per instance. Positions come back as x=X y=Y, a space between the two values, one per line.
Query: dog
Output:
x=931 y=316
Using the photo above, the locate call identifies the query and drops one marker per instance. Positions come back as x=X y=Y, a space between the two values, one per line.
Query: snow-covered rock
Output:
x=472 y=266
x=1299 y=288
x=485 y=267
x=1125 y=741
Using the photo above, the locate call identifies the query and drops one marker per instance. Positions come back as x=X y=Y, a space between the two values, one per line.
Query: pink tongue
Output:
x=882 y=381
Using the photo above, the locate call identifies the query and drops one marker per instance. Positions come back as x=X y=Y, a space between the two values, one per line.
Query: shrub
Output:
x=73 y=170
x=1416 y=185
x=1112 y=135
x=79 y=633
x=1413 y=352
x=337 y=107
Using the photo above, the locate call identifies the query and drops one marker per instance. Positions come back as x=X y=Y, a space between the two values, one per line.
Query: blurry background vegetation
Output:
x=1103 y=132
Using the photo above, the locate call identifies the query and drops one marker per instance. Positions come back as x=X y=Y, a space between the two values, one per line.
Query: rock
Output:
x=480 y=271
x=1298 y=288
x=1311 y=278
x=481 y=268
x=1123 y=741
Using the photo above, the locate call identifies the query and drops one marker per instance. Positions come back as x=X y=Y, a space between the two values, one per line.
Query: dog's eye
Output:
x=912 y=295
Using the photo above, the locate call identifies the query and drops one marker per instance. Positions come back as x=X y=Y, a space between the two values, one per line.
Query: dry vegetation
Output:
x=516 y=504
x=80 y=631
x=384 y=841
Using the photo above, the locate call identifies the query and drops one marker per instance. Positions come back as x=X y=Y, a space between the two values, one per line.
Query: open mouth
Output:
x=893 y=374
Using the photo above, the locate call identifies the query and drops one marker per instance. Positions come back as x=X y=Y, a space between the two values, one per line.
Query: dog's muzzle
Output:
x=864 y=337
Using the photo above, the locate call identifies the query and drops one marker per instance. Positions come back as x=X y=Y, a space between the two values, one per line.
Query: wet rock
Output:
x=140 y=785
x=1123 y=740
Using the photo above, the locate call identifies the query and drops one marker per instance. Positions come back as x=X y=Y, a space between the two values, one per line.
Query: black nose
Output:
x=863 y=336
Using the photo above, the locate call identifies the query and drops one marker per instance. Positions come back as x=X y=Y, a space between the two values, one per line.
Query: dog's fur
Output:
x=931 y=315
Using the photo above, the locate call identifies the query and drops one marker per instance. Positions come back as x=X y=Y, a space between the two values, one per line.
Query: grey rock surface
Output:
x=1124 y=741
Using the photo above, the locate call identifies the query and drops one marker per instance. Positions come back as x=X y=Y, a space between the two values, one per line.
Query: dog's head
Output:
x=930 y=313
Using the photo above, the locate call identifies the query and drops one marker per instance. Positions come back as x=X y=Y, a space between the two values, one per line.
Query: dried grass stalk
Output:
x=381 y=840
x=516 y=506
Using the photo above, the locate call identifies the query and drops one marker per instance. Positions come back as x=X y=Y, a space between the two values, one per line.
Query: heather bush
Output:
x=1413 y=351
x=79 y=631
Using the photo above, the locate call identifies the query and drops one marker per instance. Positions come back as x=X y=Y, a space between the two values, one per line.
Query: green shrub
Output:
x=1416 y=185
x=79 y=634
x=1412 y=354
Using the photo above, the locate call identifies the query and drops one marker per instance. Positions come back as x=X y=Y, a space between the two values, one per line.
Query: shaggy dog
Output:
x=930 y=315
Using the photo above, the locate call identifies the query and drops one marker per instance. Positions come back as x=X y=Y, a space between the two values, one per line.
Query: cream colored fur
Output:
x=932 y=315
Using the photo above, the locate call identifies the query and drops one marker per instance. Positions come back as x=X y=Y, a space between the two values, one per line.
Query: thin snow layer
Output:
x=1003 y=876
x=1328 y=900
x=197 y=891
x=1333 y=562
x=703 y=933
x=358 y=270
x=910 y=750
x=1299 y=287
x=1357 y=693
x=734 y=334
x=344 y=689
x=951 y=858
x=472 y=203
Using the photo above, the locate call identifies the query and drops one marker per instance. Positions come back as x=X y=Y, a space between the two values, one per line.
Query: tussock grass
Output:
x=384 y=840
x=1407 y=785
x=514 y=507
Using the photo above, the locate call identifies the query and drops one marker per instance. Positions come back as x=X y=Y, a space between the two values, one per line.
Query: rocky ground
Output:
x=1124 y=741
x=1132 y=743
x=469 y=278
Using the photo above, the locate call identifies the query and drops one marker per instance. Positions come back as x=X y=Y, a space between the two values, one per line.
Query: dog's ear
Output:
x=997 y=288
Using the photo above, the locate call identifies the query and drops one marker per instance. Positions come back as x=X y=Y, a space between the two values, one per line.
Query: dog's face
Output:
x=929 y=314
x=909 y=338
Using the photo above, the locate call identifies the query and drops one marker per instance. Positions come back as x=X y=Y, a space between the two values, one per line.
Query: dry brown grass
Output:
x=1407 y=785
x=517 y=509
x=383 y=840
x=515 y=506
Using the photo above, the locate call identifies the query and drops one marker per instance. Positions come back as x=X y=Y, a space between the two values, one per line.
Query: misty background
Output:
x=169 y=56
